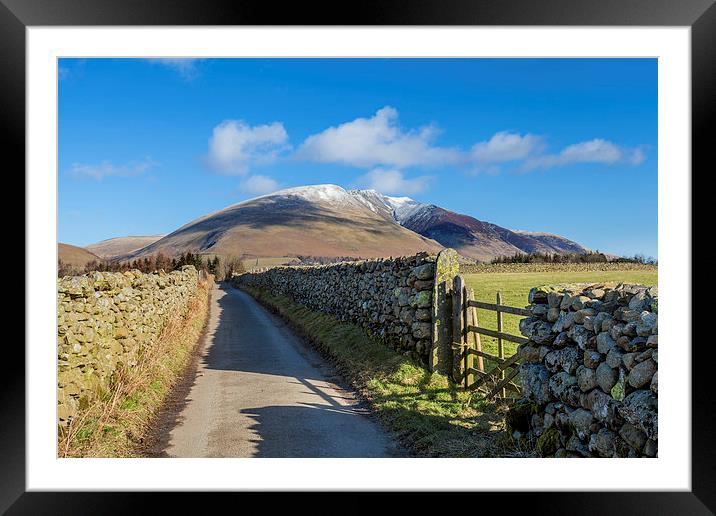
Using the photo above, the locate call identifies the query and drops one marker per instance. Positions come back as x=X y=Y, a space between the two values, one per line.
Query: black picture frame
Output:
x=699 y=15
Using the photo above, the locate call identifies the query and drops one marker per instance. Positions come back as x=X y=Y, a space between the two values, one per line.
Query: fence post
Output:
x=446 y=268
x=500 y=347
x=459 y=341
x=473 y=338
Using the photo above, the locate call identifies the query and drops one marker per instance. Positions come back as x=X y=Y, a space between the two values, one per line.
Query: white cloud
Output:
x=185 y=67
x=592 y=151
x=108 y=169
x=367 y=142
x=259 y=185
x=393 y=182
x=234 y=146
x=503 y=147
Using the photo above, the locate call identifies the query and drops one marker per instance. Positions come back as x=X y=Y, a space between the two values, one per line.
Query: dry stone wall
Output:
x=105 y=320
x=390 y=298
x=590 y=371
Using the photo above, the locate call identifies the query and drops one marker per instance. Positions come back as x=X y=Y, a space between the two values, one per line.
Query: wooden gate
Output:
x=473 y=367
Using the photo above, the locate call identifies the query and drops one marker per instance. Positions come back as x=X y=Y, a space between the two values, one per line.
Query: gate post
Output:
x=446 y=268
x=459 y=329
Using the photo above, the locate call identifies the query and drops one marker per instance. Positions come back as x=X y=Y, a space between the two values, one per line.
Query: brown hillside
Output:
x=75 y=256
x=322 y=220
x=117 y=247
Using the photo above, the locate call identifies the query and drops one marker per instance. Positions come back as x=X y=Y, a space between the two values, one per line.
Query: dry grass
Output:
x=75 y=256
x=116 y=423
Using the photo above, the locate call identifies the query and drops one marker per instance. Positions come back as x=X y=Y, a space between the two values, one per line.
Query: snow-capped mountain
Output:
x=320 y=220
x=327 y=220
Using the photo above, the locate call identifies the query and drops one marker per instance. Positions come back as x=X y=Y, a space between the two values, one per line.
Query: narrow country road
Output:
x=259 y=391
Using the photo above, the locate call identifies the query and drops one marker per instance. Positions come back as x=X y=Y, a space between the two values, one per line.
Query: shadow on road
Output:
x=321 y=419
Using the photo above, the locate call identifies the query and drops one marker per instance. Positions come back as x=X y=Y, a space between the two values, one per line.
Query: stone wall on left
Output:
x=105 y=320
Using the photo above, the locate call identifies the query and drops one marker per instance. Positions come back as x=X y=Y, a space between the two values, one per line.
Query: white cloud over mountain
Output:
x=258 y=185
x=393 y=182
x=368 y=142
x=235 y=146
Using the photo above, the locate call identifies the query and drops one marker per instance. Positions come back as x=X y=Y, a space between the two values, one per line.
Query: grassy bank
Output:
x=515 y=286
x=115 y=425
x=427 y=414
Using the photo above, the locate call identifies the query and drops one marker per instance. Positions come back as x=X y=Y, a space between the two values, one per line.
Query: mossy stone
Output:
x=548 y=443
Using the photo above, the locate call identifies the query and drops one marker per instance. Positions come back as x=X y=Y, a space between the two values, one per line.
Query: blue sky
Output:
x=567 y=146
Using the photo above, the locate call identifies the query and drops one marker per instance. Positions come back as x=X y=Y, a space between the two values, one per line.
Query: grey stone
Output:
x=614 y=358
x=553 y=314
x=633 y=436
x=606 y=377
x=564 y=322
x=577 y=446
x=592 y=359
x=563 y=386
x=639 y=302
x=423 y=314
x=641 y=374
x=535 y=382
x=640 y=408
x=581 y=420
x=537 y=330
x=605 y=342
x=421 y=330
x=602 y=443
x=554 y=299
x=603 y=407
x=586 y=378
x=578 y=302
x=561 y=340
x=424 y=272
x=580 y=335
x=650 y=448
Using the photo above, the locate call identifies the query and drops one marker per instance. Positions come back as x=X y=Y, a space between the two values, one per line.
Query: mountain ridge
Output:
x=330 y=221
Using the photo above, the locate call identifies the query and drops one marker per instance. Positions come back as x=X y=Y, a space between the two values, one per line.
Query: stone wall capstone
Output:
x=590 y=371
x=389 y=298
x=105 y=320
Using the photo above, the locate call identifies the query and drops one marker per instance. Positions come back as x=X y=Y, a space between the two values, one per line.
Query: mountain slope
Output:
x=75 y=256
x=557 y=243
x=321 y=220
x=469 y=236
x=120 y=246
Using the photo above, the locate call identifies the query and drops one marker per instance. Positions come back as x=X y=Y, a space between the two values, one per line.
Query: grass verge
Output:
x=425 y=412
x=116 y=425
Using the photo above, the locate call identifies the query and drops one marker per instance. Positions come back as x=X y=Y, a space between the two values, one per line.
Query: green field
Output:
x=514 y=288
x=252 y=263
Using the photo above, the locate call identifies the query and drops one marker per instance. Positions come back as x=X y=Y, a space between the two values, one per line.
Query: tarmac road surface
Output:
x=258 y=390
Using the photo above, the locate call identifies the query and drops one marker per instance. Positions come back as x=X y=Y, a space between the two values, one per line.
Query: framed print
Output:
x=414 y=248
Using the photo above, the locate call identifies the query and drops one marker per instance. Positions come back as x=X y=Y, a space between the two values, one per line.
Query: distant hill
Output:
x=556 y=243
x=121 y=246
x=75 y=256
x=321 y=220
